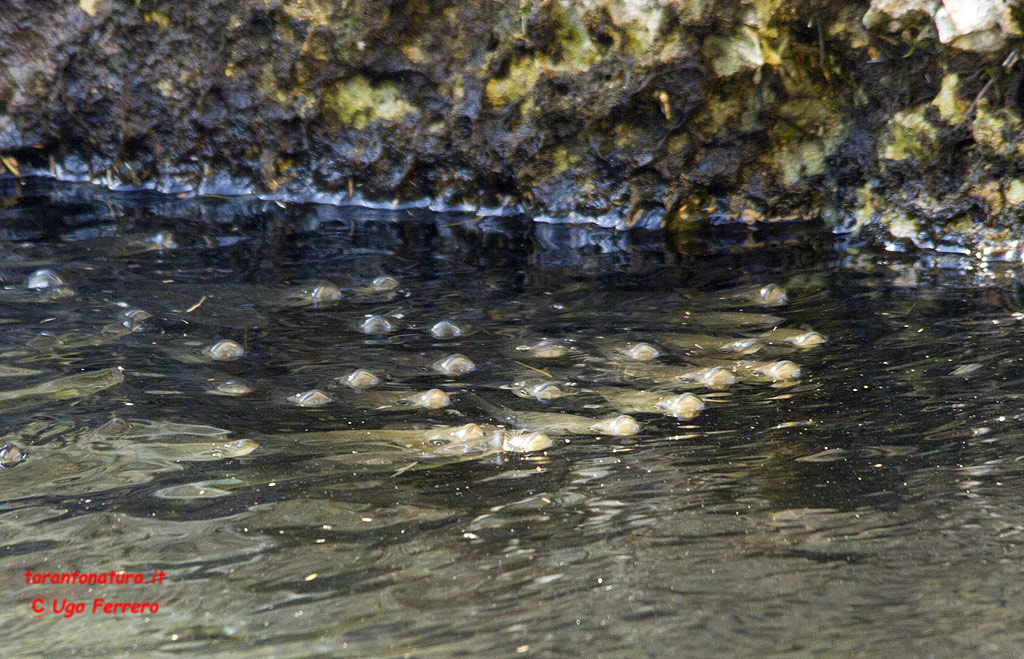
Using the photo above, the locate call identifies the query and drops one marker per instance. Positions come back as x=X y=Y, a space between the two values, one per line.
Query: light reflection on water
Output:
x=872 y=507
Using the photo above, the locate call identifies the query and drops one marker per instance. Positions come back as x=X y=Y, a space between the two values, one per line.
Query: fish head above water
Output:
x=741 y=346
x=311 y=398
x=44 y=278
x=717 y=377
x=376 y=324
x=523 y=441
x=780 y=370
x=445 y=329
x=456 y=364
x=431 y=399
x=544 y=349
x=686 y=406
x=773 y=294
x=361 y=379
x=384 y=283
x=620 y=426
x=225 y=351
x=808 y=339
x=643 y=352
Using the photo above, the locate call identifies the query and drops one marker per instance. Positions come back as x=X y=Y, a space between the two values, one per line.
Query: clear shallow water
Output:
x=872 y=506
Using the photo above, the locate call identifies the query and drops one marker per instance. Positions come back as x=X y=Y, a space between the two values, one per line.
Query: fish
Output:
x=70 y=386
x=794 y=337
x=759 y=371
x=727 y=320
x=704 y=343
x=445 y=329
x=559 y=423
x=360 y=379
x=225 y=351
x=536 y=388
x=629 y=350
x=231 y=388
x=376 y=324
x=315 y=295
x=683 y=406
x=712 y=377
x=455 y=364
x=542 y=349
x=311 y=398
x=431 y=399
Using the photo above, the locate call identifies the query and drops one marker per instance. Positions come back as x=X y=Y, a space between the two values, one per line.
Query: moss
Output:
x=518 y=83
x=1014 y=193
x=909 y=136
x=734 y=53
x=357 y=103
x=996 y=131
x=951 y=108
x=562 y=161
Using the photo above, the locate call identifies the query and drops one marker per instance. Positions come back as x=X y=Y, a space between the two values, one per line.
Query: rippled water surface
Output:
x=872 y=505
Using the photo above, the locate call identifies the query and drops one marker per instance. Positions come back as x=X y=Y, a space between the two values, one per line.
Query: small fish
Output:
x=634 y=350
x=703 y=343
x=683 y=406
x=543 y=349
x=231 y=388
x=71 y=386
x=385 y=283
x=316 y=296
x=793 y=337
x=536 y=388
x=712 y=377
x=728 y=320
x=522 y=441
x=557 y=423
x=755 y=371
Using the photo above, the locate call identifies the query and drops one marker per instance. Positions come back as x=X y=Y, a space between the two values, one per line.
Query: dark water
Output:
x=874 y=505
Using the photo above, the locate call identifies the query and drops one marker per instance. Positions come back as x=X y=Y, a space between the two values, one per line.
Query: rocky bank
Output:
x=898 y=122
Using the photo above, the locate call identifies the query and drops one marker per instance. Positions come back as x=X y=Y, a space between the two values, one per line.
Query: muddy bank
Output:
x=900 y=122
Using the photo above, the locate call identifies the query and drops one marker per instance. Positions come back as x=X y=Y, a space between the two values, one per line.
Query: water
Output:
x=875 y=505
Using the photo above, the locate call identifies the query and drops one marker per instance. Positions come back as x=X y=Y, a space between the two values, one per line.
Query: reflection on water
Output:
x=868 y=505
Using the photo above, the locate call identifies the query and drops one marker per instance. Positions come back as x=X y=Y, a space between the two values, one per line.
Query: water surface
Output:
x=875 y=505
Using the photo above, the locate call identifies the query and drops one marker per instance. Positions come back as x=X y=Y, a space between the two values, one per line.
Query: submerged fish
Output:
x=728 y=320
x=704 y=343
x=146 y=429
x=634 y=350
x=558 y=423
x=315 y=295
x=536 y=388
x=231 y=388
x=794 y=337
x=683 y=406
x=431 y=399
x=71 y=386
x=755 y=371
x=712 y=377
x=543 y=349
